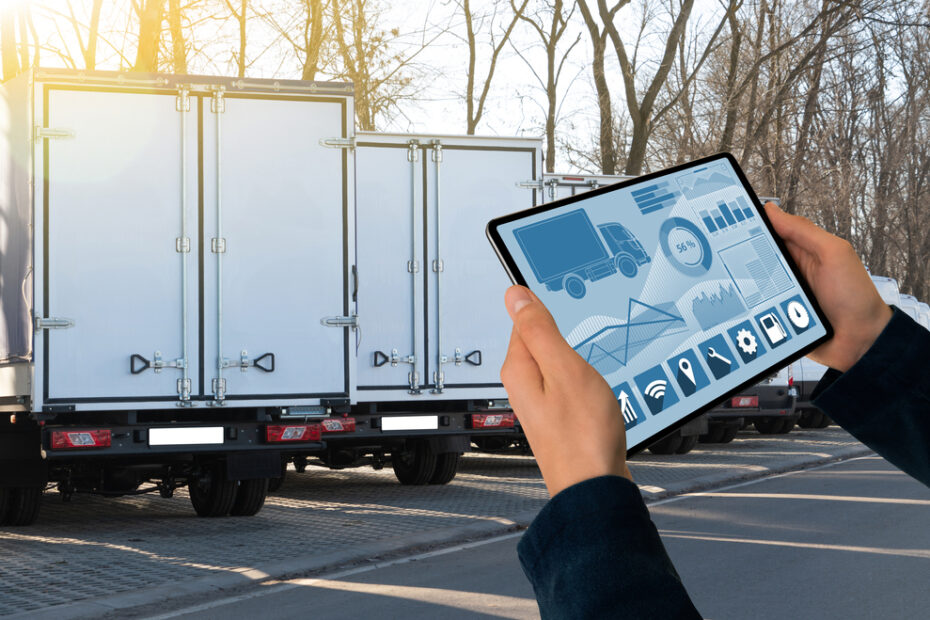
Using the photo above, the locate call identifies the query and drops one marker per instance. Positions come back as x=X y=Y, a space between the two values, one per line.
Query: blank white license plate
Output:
x=410 y=423
x=186 y=436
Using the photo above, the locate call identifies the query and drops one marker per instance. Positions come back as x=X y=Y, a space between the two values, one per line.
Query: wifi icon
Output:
x=656 y=390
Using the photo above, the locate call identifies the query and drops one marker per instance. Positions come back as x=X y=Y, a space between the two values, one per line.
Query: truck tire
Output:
x=212 y=495
x=575 y=287
x=714 y=434
x=447 y=464
x=786 y=426
x=627 y=266
x=275 y=483
x=774 y=426
x=808 y=418
x=824 y=421
x=22 y=506
x=667 y=445
x=687 y=444
x=250 y=497
x=729 y=433
x=416 y=465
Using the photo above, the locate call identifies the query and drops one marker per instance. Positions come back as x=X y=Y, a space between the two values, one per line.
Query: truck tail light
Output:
x=791 y=381
x=745 y=401
x=492 y=420
x=338 y=425
x=287 y=433
x=68 y=440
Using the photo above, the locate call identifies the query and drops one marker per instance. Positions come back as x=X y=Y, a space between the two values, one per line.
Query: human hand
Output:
x=841 y=285
x=568 y=412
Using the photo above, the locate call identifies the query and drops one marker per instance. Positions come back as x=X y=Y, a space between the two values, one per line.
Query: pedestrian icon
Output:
x=718 y=356
x=656 y=390
x=629 y=408
x=688 y=372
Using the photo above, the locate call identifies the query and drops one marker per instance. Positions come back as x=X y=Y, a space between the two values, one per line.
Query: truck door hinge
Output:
x=338 y=143
x=48 y=133
x=218 y=103
x=413 y=266
x=218 y=245
x=53 y=323
x=530 y=184
x=219 y=390
x=182 y=102
x=413 y=150
x=438 y=266
x=340 y=321
x=184 y=389
x=182 y=245
x=437 y=151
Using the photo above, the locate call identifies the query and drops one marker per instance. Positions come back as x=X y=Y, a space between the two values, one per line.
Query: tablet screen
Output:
x=672 y=288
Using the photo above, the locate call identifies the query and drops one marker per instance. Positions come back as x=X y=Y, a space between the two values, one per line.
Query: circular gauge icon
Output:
x=798 y=315
x=685 y=246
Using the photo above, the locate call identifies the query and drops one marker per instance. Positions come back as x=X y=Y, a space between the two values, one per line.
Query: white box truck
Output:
x=187 y=298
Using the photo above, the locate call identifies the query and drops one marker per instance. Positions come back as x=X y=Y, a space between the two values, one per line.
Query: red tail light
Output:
x=492 y=420
x=281 y=433
x=68 y=440
x=790 y=381
x=745 y=401
x=338 y=425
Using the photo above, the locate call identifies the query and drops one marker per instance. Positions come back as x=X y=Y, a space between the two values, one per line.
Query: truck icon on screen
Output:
x=565 y=250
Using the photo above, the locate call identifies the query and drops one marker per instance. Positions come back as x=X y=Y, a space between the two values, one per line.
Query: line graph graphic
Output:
x=714 y=309
x=705 y=180
x=609 y=344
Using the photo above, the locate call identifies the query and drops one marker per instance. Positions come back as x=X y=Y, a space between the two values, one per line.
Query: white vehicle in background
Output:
x=910 y=305
x=923 y=315
x=808 y=372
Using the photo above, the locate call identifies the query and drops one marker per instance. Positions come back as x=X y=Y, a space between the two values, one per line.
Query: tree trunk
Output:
x=313 y=39
x=178 y=45
x=150 y=18
x=11 y=66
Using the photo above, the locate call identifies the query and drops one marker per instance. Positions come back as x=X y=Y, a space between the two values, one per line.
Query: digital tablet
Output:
x=672 y=286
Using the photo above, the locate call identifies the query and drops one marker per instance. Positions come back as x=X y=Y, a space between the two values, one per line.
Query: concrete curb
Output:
x=145 y=601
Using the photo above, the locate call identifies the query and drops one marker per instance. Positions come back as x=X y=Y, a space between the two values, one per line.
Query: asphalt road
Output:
x=844 y=541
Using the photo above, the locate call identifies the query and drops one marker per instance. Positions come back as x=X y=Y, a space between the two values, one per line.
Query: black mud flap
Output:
x=21 y=464
x=253 y=465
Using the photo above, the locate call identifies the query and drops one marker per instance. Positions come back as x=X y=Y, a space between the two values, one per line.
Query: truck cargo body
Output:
x=185 y=267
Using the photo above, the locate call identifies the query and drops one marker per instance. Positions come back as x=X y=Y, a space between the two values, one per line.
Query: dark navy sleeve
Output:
x=593 y=552
x=884 y=399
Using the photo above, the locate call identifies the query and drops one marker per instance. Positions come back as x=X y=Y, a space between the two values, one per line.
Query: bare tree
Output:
x=241 y=17
x=549 y=21
x=150 y=14
x=606 y=137
x=474 y=103
x=178 y=44
x=10 y=59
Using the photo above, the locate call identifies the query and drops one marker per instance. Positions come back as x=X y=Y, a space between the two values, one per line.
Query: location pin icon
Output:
x=684 y=365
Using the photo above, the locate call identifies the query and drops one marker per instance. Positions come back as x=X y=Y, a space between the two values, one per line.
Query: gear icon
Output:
x=746 y=341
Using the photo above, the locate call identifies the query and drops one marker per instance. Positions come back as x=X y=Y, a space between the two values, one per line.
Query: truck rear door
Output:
x=277 y=248
x=114 y=260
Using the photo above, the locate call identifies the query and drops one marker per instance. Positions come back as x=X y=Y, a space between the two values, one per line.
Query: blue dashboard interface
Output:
x=673 y=289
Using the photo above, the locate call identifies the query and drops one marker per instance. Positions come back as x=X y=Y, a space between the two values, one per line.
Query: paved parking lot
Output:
x=130 y=550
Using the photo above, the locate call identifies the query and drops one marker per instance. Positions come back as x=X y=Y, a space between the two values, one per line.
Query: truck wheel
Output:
x=808 y=418
x=824 y=421
x=275 y=483
x=250 y=497
x=212 y=495
x=786 y=426
x=667 y=445
x=767 y=426
x=687 y=444
x=447 y=464
x=416 y=465
x=714 y=434
x=627 y=266
x=575 y=287
x=729 y=433
x=22 y=506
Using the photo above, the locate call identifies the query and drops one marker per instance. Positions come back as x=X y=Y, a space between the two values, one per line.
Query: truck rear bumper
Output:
x=774 y=402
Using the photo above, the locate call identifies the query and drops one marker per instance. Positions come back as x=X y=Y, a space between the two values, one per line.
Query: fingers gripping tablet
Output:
x=672 y=286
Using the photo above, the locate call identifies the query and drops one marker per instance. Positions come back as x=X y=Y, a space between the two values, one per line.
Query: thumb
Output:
x=796 y=229
x=536 y=327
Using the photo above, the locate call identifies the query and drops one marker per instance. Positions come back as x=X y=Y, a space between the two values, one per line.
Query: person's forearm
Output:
x=593 y=552
x=884 y=399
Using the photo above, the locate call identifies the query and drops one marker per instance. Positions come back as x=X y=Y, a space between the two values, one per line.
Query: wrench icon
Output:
x=713 y=354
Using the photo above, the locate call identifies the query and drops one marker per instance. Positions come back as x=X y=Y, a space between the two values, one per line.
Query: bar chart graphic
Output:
x=655 y=197
x=756 y=270
x=727 y=215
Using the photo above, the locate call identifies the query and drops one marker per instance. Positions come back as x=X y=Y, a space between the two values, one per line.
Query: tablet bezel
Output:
x=516 y=276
